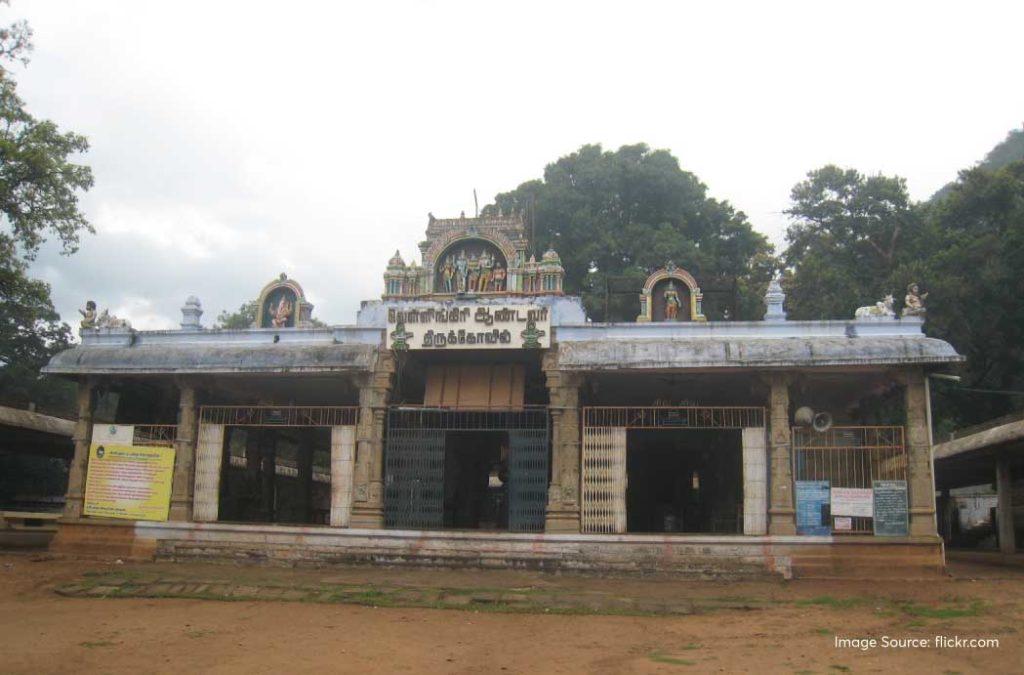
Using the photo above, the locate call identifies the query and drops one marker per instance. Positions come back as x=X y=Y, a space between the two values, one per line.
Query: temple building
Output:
x=474 y=416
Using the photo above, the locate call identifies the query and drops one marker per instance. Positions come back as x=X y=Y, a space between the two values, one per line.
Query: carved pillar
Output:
x=781 y=514
x=563 y=511
x=184 y=453
x=374 y=391
x=919 y=456
x=80 y=462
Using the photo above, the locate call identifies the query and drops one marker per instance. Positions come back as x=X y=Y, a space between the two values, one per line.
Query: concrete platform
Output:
x=696 y=556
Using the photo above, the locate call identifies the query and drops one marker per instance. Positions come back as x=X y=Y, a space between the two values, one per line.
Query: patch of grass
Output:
x=662 y=657
x=691 y=646
x=93 y=645
x=829 y=601
x=198 y=633
x=958 y=611
x=916 y=623
x=840 y=667
x=822 y=631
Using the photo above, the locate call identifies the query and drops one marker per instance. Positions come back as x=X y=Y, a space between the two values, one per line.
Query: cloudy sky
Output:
x=232 y=141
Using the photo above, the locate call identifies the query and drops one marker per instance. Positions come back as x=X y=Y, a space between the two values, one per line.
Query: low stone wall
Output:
x=697 y=556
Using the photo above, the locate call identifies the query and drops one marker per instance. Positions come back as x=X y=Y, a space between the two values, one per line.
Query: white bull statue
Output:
x=880 y=310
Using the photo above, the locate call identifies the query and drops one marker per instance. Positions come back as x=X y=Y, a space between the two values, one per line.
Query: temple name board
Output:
x=469 y=327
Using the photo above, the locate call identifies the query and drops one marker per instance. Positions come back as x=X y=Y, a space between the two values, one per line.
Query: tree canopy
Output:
x=849 y=238
x=856 y=238
x=39 y=187
x=624 y=213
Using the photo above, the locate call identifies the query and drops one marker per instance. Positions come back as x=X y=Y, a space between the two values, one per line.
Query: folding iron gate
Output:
x=414 y=460
x=603 y=476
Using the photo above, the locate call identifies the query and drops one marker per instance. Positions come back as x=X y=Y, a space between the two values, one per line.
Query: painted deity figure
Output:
x=486 y=267
x=913 y=303
x=498 y=278
x=672 y=302
x=448 y=275
x=280 y=314
x=461 y=271
x=88 y=315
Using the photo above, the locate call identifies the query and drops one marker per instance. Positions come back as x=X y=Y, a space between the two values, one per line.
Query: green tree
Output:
x=1010 y=150
x=39 y=185
x=977 y=290
x=850 y=235
x=624 y=214
x=245 y=317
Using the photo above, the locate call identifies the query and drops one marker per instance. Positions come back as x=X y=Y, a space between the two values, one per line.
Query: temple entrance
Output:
x=465 y=469
x=264 y=464
x=684 y=481
x=476 y=480
x=673 y=469
x=276 y=475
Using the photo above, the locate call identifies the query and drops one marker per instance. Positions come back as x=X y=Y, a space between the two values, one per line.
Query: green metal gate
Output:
x=414 y=460
x=528 y=454
x=414 y=479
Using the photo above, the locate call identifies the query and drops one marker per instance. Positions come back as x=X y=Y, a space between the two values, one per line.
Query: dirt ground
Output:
x=63 y=615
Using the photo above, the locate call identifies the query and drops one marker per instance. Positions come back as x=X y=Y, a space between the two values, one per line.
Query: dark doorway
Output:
x=276 y=475
x=684 y=481
x=476 y=480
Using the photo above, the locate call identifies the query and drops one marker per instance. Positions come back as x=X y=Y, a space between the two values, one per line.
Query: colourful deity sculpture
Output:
x=461 y=272
x=280 y=314
x=498 y=276
x=486 y=265
x=88 y=315
x=672 y=302
x=913 y=303
x=448 y=275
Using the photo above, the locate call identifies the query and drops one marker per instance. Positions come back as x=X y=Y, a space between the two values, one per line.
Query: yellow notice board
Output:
x=127 y=481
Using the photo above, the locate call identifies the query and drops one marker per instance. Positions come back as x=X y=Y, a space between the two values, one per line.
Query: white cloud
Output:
x=233 y=141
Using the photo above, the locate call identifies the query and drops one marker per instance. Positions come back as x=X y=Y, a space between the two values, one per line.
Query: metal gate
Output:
x=851 y=457
x=414 y=459
x=604 y=480
x=528 y=454
x=414 y=479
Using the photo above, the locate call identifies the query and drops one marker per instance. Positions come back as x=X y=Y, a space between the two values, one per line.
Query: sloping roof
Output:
x=983 y=440
x=25 y=419
x=212 y=358
x=743 y=352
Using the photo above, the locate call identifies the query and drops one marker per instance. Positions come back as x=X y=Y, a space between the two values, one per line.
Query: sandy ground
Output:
x=696 y=626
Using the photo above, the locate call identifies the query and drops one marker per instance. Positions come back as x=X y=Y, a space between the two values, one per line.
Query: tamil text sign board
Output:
x=851 y=502
x=891 y=510
x=125 y=480
x=454 y=326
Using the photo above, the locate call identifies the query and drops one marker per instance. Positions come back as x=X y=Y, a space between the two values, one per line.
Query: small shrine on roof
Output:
x=671 y=294
x=481 y=256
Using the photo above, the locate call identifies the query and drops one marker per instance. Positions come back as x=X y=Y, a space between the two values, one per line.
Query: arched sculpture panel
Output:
x=671 y=294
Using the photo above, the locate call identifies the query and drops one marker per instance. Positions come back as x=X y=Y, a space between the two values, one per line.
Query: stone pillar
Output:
x=563 y=511
x=919 y=457
x=374 y=391
x=1004 y=505
x=781 y=514
x=343 y=445
x=184 y=453
x=755 y=482
x=80 y=461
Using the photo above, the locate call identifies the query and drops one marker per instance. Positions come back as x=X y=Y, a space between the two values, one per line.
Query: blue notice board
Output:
x=813 y=511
